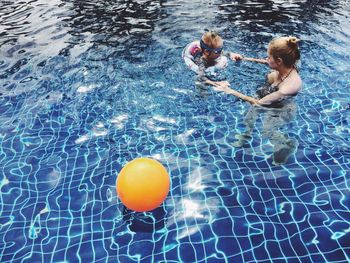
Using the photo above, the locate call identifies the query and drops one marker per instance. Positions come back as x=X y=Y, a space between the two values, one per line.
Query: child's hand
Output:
x=235 y=56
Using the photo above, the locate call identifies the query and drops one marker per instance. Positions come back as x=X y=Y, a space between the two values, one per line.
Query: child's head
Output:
x=286 y=49
x=211 y=45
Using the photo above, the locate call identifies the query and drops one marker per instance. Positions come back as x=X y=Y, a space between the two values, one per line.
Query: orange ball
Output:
x=143 y=184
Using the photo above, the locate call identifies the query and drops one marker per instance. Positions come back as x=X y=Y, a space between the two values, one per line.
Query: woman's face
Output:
x=273 y=63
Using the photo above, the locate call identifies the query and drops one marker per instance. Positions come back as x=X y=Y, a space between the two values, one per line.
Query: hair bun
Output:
x=213 y=33
x=292 y=40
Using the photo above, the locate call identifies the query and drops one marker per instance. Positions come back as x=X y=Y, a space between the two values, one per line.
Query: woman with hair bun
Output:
x=274 y=100
x=282 y=83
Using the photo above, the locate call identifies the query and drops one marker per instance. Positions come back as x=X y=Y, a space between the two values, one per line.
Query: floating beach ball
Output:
x=143 y=184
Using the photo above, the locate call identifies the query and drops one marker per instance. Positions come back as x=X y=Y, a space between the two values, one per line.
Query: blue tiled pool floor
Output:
x=87 y=87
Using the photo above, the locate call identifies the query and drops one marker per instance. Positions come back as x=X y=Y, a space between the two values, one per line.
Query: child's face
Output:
x=213 y=50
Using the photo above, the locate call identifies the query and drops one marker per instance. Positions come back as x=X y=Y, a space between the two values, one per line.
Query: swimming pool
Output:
x=88 y=86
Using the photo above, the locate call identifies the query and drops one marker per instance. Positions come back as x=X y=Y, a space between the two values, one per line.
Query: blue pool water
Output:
x=86 y=86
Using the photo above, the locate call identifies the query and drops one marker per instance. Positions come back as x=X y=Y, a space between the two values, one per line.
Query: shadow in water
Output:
x=146 y=222
x=277 y=124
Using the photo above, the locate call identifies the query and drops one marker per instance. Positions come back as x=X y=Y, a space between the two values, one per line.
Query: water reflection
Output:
x=263 y=18
x=113 y=22
x=275 y=123
x=84 y=79
x=70 y=28
x=73 y=27
x=268 y=14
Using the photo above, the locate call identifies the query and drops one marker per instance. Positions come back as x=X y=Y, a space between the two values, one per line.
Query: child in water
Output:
x=207 y=55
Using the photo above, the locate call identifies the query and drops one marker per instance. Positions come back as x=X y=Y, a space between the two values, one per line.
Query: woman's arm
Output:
x=269 y=99
x=246 y=98
x=257 y=60
x=221 y=84
x=224 y=86
x=238 y=57
x=265 y=101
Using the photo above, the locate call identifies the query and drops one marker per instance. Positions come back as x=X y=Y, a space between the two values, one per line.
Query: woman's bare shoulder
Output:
x=292 y=86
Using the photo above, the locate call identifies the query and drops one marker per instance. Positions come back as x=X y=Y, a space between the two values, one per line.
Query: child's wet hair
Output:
x=211 y=37
x=285 y=48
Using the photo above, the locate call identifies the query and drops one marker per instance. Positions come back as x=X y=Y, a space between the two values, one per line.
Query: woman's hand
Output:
x=225 y=87
x=254 y=102
x=222 y=86
x=235 y=56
